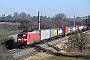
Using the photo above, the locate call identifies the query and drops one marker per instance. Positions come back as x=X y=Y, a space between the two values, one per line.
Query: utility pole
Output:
x=39 y=20
x=74 y=20
x=62 y=22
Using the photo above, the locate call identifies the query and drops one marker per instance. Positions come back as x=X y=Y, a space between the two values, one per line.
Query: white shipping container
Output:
x=69 y=29
x=73 y=28
x=43 y=34
x=60 y=31
x=81 y=27
x=85 y=27
x=47 y=35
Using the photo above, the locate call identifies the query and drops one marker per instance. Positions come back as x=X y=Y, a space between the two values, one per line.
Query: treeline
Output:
x=31 y=22
x=16 y=17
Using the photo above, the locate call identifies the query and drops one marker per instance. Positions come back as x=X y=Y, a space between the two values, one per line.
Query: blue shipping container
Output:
x=71 y=29
x=51 y=32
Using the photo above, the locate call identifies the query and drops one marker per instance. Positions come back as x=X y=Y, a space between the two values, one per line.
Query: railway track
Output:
x=29 y=51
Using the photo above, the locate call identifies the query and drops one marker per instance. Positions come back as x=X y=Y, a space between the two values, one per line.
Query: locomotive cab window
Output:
x=22 y=35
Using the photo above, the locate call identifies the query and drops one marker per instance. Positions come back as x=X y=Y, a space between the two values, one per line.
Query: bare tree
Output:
x=78 y=41
x=25 y=25
x=60 y=20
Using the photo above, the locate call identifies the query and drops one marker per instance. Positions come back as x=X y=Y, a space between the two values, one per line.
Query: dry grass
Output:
x=9 y=23
x=55 y=53
x=44 y=55
x=39 y=56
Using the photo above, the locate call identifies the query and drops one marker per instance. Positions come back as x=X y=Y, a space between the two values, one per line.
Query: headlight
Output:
x=19 y=39
x=25 y=39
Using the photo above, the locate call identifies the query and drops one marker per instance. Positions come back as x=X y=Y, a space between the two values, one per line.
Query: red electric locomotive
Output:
x=25 y=38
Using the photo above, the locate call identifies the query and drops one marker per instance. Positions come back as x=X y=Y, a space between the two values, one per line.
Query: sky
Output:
x=46 y=7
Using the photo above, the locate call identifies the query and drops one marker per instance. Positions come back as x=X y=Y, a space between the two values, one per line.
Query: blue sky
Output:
x=47 y=7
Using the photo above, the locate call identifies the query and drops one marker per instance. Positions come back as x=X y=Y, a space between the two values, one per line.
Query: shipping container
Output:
x=81 y=27
x=76 y=28
x=71 y=29
x=66 y=30
x=47 y=35
x=60 y=31
x=55 y=32
x=51 y=32
x=43 y=32
x=85 y=27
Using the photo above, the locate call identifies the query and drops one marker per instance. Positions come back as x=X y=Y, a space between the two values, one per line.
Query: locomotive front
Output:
x=22 y=38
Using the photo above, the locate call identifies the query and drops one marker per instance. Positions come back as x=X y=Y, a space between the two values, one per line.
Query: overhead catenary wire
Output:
x=7 y=9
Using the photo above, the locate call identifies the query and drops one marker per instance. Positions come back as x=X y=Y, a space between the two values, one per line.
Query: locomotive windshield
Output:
x=22 y=35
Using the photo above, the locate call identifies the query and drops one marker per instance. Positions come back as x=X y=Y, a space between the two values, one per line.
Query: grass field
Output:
x=7 y=32
x=69 y=56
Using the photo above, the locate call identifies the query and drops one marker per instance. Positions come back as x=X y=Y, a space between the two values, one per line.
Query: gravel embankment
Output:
x=32 y=51
x=43 y=55
x=36 y=49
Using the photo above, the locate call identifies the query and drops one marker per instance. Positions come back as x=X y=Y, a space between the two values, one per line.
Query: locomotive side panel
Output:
x=38 y=36
x=33 y=36
x=30 y=38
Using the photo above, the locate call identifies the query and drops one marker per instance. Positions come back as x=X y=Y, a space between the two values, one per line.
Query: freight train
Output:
x=26 y=38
